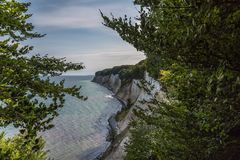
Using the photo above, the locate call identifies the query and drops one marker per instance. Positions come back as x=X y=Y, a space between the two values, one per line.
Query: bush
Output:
x=17 y=148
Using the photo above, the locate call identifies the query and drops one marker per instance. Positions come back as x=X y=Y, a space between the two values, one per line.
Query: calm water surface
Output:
x=81 y=128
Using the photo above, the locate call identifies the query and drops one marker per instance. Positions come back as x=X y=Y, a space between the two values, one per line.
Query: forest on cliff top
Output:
x=192 y=48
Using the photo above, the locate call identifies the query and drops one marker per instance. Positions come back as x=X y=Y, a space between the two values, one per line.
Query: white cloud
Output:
x=96 y=50
x=80 y=16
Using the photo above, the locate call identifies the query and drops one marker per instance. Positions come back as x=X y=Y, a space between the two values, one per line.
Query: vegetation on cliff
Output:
x=192 y=47
x=126 y=72
x=22 y=79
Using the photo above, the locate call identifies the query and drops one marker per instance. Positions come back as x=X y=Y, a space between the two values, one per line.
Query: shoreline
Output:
x=130 y=95
x=113 y=137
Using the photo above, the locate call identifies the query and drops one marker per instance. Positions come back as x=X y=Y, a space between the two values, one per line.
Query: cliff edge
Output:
x=131 y=84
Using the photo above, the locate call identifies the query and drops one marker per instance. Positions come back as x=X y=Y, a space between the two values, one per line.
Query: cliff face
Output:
x=131 y=91
x=112 y=82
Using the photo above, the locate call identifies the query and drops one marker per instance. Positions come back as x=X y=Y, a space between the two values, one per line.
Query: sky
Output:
x=74 y=30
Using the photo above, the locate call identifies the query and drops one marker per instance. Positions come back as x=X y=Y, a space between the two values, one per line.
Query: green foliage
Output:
x=122 y=114
x=196 y=122
x=186 y=32
x=194 y=45
x=16 y=148
x=24 y=77
x=126 y=72
x=124 y=111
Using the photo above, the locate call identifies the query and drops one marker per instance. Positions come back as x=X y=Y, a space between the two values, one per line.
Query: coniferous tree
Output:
x=23 y=78
x=192 y=47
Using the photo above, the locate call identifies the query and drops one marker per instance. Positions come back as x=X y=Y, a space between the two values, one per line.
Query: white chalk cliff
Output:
x=131 y=92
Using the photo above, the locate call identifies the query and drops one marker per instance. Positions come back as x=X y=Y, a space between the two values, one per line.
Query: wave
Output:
x=109 y=96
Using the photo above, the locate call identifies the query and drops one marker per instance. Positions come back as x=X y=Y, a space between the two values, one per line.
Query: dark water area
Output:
x=82 y=126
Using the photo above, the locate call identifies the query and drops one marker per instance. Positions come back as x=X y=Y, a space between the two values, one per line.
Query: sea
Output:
x=82 y=127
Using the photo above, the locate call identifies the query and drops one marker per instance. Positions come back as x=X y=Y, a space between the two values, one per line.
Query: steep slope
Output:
x=131 y=85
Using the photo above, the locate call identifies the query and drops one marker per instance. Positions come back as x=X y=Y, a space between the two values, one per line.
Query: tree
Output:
x=192 y=48
x=167 y=28
x=16 y=148
x=25 y=83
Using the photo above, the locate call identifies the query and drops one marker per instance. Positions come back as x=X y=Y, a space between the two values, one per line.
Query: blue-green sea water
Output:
x=82 y=126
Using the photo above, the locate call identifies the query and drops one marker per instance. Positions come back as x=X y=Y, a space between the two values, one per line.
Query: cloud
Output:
x=75 y=31
x=69 y=17
x=80 y=16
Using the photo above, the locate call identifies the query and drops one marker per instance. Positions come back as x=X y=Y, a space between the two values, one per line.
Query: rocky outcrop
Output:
x=129 y=91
